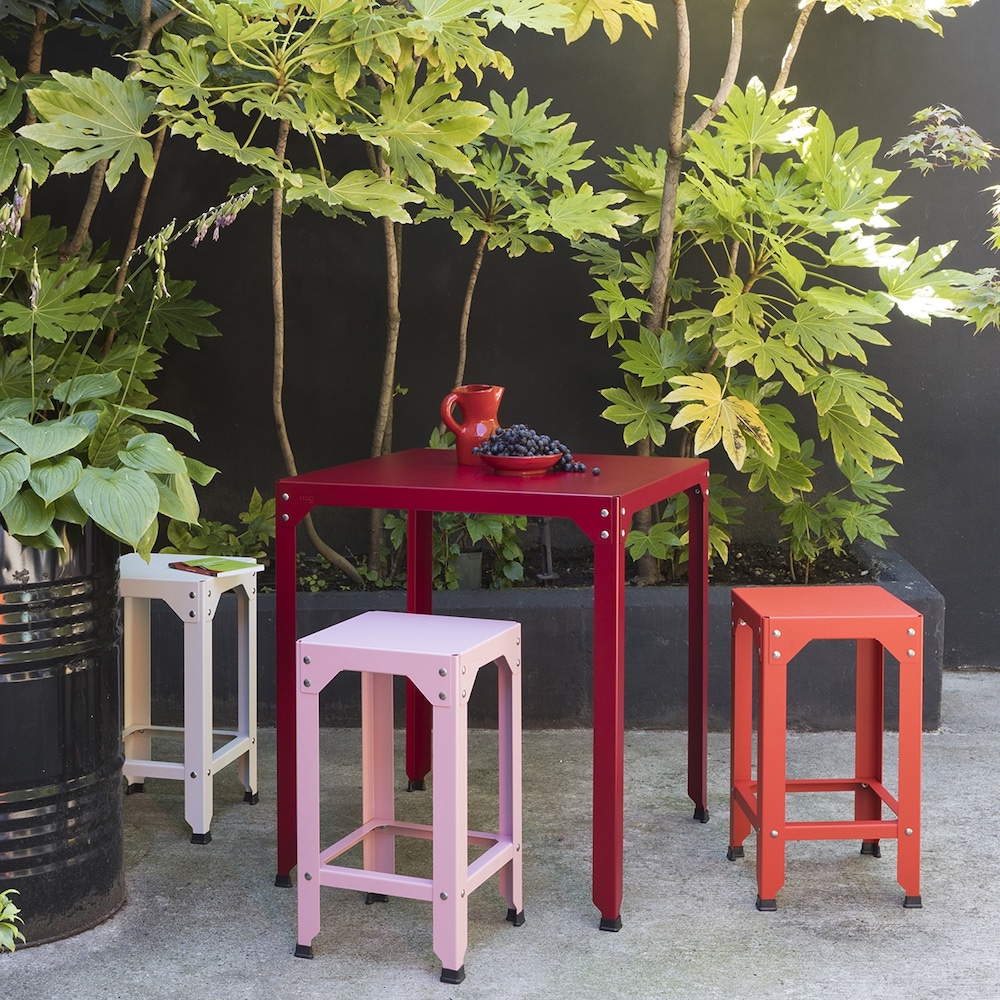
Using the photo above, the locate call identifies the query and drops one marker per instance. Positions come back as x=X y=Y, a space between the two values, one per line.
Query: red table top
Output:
x=431 y=479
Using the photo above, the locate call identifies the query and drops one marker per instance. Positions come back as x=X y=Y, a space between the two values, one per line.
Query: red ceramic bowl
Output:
x=520 y=465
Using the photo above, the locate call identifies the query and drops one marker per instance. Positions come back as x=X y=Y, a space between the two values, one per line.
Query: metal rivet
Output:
x=194 y=774
x=443 y=696
x=518 y=662
x=306 y=659
x=190 y=614
x=462 y=894
x=776 y=633
x=284 y=496
x=911 y=631
x=307 y=683
x=623 y=511
x=444 y=895
x=284 y=517
x=911 y=652
x=443 y=672
x=774 y=834
x=517 y=641
x=605 y=534
x=908 y=832
x=776 y=655
x=464 y=694
x=192 y=595
x=308 y=877
x=605 y=512
x=623 y=532
x=518 y=847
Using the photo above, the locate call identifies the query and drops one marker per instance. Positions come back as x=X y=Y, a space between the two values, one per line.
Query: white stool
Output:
x=194 y=599
x=441 y=656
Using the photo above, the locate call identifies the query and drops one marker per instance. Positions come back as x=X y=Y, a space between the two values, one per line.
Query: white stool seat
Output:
x=441 y=655
x=194 y=599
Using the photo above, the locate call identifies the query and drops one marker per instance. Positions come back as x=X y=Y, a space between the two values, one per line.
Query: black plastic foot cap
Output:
x=375 y=897
x=303 y=951
x=766 y=905
x=135 y=788
x=734 y=852
x=201 y=838
x=700 y=814
x=611 y=923
x=453 y=976
x=871 y=849
x=516 y=917
x=416 y=786
x=913 y=903
x=251 y=798
x=283 y=881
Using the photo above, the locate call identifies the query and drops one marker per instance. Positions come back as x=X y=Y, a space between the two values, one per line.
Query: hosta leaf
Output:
x=51 y=480
x=177 y=501
x=103 y=386
x=152 y=453
x=41 y=441
x=96 y=118
x=201 y=473
x=123 y=502
x=26 y=514
x=14 y=469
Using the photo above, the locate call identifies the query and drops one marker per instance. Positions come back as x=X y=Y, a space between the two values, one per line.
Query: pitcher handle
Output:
x=449 y=421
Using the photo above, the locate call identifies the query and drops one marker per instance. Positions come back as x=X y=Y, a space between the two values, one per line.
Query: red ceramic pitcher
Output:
x=478 y=404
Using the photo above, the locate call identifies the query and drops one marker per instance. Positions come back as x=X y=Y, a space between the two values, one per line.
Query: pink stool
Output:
x=441 y=657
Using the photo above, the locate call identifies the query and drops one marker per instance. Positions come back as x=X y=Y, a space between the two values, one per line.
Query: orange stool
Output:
x=772 y=625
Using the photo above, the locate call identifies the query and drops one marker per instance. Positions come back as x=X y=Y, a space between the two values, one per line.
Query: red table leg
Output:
x=285 y=635
x=698 y=649
x=609 y=724
x=419 y=599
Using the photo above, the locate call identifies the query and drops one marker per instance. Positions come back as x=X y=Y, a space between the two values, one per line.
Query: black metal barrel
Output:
x=61 y=829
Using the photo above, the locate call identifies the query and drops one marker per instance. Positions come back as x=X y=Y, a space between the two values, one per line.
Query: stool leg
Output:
x=307 y=829
x=378 y=794
x=451 y=839
x=509 y=755
x=135 y=644
x=771 y=788
x=741 y=732
x=869 y=733
x=198 y=729
x=910 y=740
x=246 y=666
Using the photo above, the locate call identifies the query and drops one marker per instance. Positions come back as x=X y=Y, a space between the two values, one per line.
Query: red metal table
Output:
x=424 y=481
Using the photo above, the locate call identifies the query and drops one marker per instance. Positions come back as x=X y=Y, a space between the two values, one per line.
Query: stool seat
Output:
x=193 y=598
x=441 y=656
x=771 y=625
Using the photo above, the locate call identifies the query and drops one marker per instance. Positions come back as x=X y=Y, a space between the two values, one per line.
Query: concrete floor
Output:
x=207 y=923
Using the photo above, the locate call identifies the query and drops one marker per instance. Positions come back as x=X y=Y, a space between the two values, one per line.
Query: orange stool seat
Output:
x=771 y=625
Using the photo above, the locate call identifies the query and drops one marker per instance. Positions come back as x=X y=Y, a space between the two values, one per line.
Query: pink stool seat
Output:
x=771 y=625
x=441 y=656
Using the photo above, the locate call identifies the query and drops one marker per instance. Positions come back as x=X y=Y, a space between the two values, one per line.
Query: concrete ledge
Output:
x=558 y=642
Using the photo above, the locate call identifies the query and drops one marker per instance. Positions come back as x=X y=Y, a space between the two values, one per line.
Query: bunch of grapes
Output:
x=520 y=441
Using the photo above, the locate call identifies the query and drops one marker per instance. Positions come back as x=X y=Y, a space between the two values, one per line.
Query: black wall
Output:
x=525 y=333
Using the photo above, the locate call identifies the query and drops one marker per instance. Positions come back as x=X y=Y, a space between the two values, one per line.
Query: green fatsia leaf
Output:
x=152 y=453
x=922 y=13
x=178 y=73
x=849 y=438
x=26 y=514
x=95 y=118
x=574 y=213
x=423 y=127
x=123 y=502
x=14 y=469
x=538 y=15
x=42 y=440
x=921 y=291
x=62 y=306
x=15 y=151
x=752 y=119
x=857 y=390
x=609 y=13
x=54 y=479
x=359 y=191
x=640 y=409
